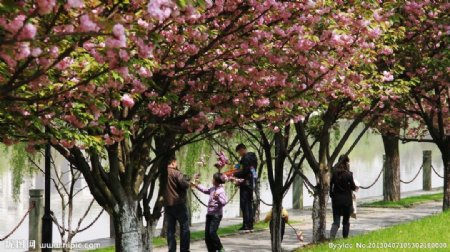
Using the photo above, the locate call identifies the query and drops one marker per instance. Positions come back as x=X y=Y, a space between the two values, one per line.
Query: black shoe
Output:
x=242 y=228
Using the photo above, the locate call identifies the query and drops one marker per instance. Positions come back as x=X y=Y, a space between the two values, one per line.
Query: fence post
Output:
x=297 y=192
x=384 y=178
x=35 y=218
x=427 y=170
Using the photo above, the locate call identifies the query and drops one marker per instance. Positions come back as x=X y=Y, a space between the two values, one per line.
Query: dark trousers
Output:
x=246 y=195
x=344 y=211
x=283 y=227
x=173 y=214
x=212 y=240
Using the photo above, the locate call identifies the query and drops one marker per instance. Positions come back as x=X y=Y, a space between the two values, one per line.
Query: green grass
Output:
x=200 y=235
x=405 y=202
x=429 y=230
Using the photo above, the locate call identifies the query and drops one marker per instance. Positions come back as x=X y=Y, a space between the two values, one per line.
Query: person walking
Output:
x=341 y=187
x=246 y=172
x=216 y=202
x=174 y=198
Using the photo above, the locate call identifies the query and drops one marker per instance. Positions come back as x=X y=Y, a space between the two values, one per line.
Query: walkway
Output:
x=368 y=219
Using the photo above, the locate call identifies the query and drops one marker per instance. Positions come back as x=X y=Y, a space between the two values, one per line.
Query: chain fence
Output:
x=414 y=178
x=374 y=182
x=32 y=205
x=434 y=170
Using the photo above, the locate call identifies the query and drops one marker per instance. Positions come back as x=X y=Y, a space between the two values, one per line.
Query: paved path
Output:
x=368 y=219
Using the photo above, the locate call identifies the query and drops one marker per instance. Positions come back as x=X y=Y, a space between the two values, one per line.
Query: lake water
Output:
x=366 y=162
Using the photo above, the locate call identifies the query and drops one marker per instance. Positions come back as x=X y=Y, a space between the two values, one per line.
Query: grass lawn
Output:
x=432 y=230
x=405 y=202
x=199 y=235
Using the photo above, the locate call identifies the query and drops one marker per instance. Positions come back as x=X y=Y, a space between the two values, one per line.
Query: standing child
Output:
x=216 y=202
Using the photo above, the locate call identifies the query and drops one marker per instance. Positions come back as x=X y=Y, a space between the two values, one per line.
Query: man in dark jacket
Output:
x=247 y=168
x=175 y=207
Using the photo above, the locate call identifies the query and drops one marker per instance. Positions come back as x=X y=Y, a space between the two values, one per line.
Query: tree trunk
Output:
x=128 y=229
x=256 y=202
x=276 y=224
x=391 y=182
x=319 y=212
x=446 y=159
x=148 y=234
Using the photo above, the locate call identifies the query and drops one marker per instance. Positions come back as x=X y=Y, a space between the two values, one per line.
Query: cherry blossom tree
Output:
x=349 y=91
x=334 y=47
x=124 y=85
x=421 y=60
x=39 y=41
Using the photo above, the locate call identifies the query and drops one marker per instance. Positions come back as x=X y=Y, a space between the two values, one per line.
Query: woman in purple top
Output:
x=216 y=202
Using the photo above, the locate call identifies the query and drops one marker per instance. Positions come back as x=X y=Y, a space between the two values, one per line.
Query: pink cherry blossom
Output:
x=160 y=9
x=15 y=24
x=75 y=3
x=144 y=72
x=387 y=51
x=45 y=6
x=387 y=76
x=222 y=160
x=124 y=72
x=23 y=51
x=374 y=33
x=161 y=110
x=115 y=131
x=87 y=25
x=64 y=63
x=299 y=118
x=127 y=101
x=123 y=54
x=115 y=103
x=108 y=139
x=28 y=32
x=304 y=44
x=119 y=40
x=9 y=60
x=144 y=50
x=276 y=129
x=262 y=102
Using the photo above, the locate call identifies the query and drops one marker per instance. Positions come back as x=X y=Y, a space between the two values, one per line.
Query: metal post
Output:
x=47 y=224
